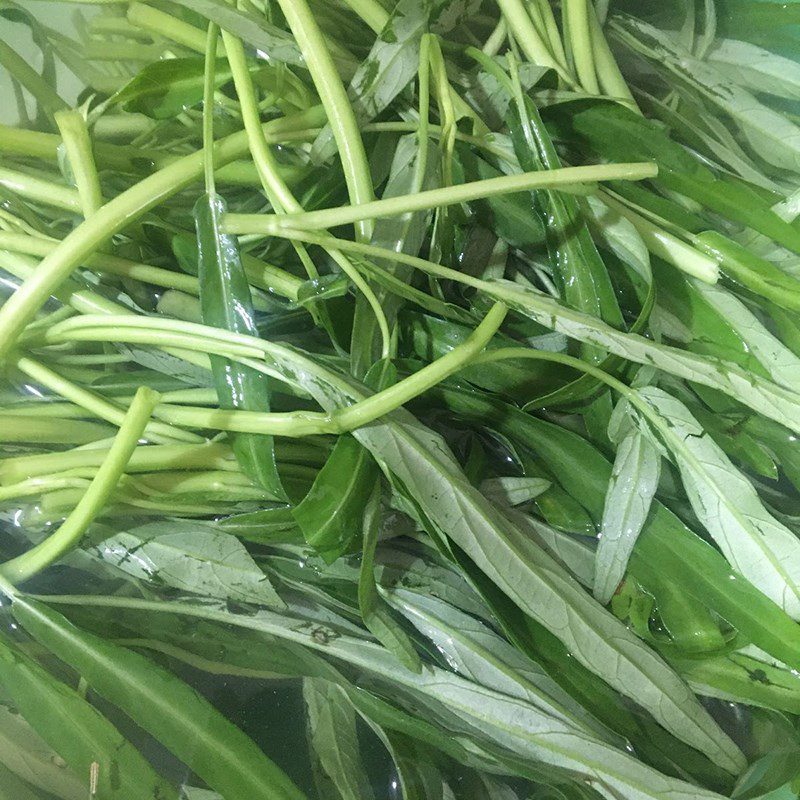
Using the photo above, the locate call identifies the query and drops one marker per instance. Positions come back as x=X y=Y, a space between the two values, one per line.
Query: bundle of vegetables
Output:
x=436 y=362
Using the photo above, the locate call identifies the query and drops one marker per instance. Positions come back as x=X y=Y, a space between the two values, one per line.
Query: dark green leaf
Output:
x=166 y=88
x=331 y=514
x=162 y=704
x=226 y=303
x=77 y=731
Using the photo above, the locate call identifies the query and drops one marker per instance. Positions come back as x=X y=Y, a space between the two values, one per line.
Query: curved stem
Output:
x=22 y=567
x=114 y=216
x=434 y=198
x=576 y=17
x=364 y=410
x=337 y=105
x=78 y=146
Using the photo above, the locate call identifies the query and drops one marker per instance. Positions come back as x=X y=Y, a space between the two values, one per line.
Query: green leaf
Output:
x=577 y=266
x=614 y=132
x=770 y=133
x=175 y=714
x=742 y=677
x=473 y=650
x=376 y=614
x=393 y=61
x=163 y=89
x=226 y=303
x=753 y=541
x=334 y=739
x=405 y=234
x=534 y=581
x=756 y=69
x=193 y=557
x=755 y=274
x=25 y=753
x=13 y=786
x=699 y=570
x=780 y=767
x=250 y=27
x=507 y=726
x=322 y=288
x=767 y=398
x=633 y=485
x=77 y=731
x=780 y=363
x=330 y=515
x=511 y=491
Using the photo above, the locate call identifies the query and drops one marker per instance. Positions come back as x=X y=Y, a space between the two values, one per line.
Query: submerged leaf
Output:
x=226 y=303
x=333 y=737
x=77 y=731
x=184 y=721
x=633 y=485
x=193 y=557
x=754 y=542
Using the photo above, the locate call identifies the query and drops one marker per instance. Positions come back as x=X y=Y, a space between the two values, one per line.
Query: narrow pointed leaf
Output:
x=226 y=303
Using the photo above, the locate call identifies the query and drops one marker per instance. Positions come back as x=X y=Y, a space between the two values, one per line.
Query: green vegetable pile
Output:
x=435 y=363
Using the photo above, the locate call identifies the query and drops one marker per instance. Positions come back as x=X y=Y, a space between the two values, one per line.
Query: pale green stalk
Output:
x=276 y=189
x=208 y=106
x=528 y=38
x=334 y=98
x=114 y=265
x=114 y=216
x=461 y=193
x=371 y=12
x=153 y=458
x=162 y=24
x=41 y=191
x=296 y=423
x=553 y=34
x=78 y=147
x=51 y=430
x=670 y=248
x=39 y=486
x=577 y=24
x=496 y=39
x=68 y=536
x=608 y=72
x=97 y=405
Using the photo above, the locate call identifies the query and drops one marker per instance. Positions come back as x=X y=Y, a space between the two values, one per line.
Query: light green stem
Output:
x=208 y=106
x=461 y=193
x=278 y=192
x=162 y=24
x=35 y=246
x=98 y=406
x=496 y=39
x=78 y=146
x=668 y=247
x=298 y=423
x=528 y=38
x=153 y=458
x=580 y=40
x=337 y=105
x=27 y=565
x=553 y=34
x=32 y=188
x=371 y=12
x=608 y=72
x=114 y=216
x=52 y=430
